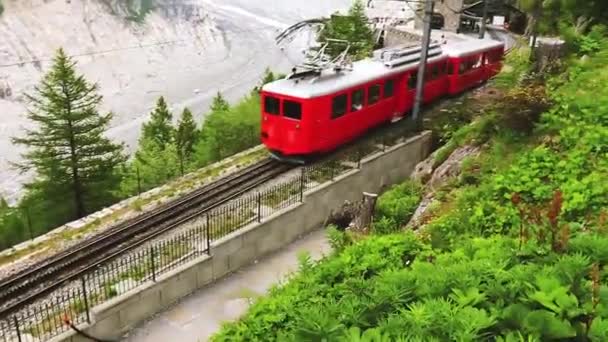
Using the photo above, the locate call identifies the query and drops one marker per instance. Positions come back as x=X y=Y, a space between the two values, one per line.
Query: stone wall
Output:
x=395 y=36
x=447 y=9
x=119 y=315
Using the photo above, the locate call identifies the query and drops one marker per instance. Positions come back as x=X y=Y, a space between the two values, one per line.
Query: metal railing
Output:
x=72 y=303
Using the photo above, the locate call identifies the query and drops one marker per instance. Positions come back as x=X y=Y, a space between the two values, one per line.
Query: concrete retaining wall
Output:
x=117 y=316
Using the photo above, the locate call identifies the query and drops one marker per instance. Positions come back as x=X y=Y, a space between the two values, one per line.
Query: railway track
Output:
x=26 y=286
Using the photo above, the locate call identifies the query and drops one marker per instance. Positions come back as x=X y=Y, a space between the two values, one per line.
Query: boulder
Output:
x=424 y=170
x=453 y=165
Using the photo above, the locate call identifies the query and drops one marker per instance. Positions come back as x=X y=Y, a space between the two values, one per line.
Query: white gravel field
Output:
x=186 y=50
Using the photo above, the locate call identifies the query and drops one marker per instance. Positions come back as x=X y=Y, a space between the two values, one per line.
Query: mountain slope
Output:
x=140 y=49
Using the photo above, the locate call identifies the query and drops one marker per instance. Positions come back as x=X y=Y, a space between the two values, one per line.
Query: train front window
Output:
x=374 y=94
x=358 y=99
x=271 y=105
x=339 y=105
x=292 y=109
x=389 y=88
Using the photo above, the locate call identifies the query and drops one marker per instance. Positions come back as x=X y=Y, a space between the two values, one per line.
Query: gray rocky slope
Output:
x=186 y=50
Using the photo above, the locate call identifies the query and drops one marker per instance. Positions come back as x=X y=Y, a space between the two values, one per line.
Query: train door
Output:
x=338 y=126
x=319 y=125
x=390 y=99
x=401 y=93
x=358 y=117
x=295 y=138
x=453 y=67
x=272 y=123
x=412 y=81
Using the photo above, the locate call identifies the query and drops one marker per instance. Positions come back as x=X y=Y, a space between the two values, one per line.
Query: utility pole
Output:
x=537 y=13
x=482 y=27
x=429 y=6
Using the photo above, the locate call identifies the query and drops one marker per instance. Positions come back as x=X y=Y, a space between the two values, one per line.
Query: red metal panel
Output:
x=318 y=132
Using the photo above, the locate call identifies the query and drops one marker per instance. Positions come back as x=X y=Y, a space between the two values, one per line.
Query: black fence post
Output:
x=302 y=174
x=152 y=263
x=16 y=321
x=331 y=169
x=259 y=207
x=86 y=299
x=359 y=156
x=384 y=142
x=208 y=233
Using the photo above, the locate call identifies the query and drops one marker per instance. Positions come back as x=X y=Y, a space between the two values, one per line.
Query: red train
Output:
x=315 y=112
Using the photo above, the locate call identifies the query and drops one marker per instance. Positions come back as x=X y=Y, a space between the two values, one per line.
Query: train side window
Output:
x=389 y=88
x=477 y=62
x=339 y=105
x=463 y=67
x=374 y=94
x=358 y=100
x=450 y=68
x=413 y=81
x=435 y=72
x=271 y=105
x=292 y=109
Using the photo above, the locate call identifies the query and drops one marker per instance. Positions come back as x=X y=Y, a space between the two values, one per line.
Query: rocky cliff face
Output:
x=137 y=50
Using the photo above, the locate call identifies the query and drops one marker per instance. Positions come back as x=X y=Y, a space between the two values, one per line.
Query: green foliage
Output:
x=160 y=127
x=12 y=226
x=353 y=28
x=396 y=206
x=164 y=152
x=157 y=159
x=185 y=138
x=309 y=306
x=228 y=130
x=338 y=240
x=73 y=159
x=1 y=7
x=516 y=63
x=138 y=9
x=509 y=258
x=152 y=166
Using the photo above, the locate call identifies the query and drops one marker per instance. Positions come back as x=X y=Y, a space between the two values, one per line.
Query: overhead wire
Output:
x=134 y=47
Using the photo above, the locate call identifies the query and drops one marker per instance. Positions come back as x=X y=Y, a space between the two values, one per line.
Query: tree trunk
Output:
x=363 y=220
x=582 y=23
x=76 y=182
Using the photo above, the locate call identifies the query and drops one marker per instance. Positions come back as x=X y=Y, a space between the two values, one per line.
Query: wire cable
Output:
x=133 y=47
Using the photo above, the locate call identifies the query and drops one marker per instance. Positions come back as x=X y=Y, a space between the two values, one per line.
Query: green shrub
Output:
x=509 y=258
x=396 y=206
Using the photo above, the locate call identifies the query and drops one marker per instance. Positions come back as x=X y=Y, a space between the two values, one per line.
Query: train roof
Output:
x=367 y=70
x=471 y=46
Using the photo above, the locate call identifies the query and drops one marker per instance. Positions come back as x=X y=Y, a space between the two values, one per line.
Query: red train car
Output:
x=316 y=112
x=472 y=62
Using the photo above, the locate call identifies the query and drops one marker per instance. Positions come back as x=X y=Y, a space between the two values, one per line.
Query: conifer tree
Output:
x=219 y=104
x=159 y=128
x=67 y=148
x=268 y=77
x=185 y=138
x=353 y=28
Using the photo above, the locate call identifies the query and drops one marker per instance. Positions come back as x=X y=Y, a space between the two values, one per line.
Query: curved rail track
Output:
x=28 y=285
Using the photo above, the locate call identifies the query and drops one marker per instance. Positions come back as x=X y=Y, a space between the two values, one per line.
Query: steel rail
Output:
x=71 y=264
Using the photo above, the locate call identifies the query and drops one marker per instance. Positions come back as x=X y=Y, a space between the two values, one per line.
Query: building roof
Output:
x=365 y=71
